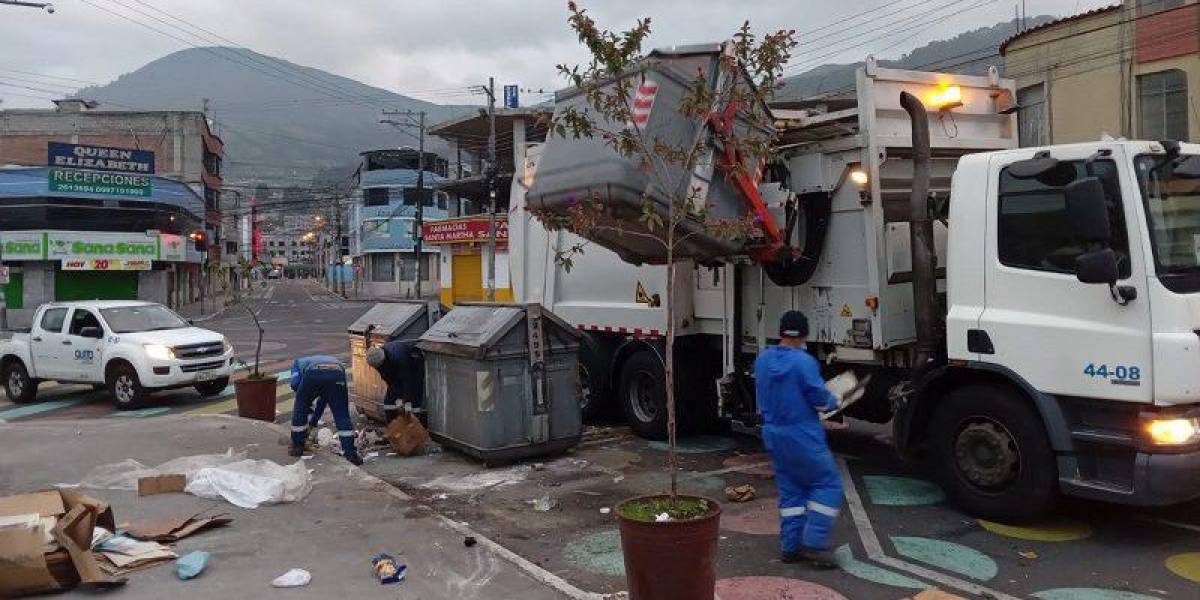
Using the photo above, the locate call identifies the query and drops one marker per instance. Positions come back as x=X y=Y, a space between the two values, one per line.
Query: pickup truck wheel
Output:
x=126 y=389
x=18 y=386
x=212 y=388
x=992 y=455
x=643 y=395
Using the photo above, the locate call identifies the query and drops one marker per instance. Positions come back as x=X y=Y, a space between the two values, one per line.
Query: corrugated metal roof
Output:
x=1056 y=22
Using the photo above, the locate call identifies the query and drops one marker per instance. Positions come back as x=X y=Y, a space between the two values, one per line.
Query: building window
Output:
x=1031 y=117
x=1163 y=105
x=231 y=247
x=375 y=197
x=383 y=267
x=1149 y=7
x=1034 y=231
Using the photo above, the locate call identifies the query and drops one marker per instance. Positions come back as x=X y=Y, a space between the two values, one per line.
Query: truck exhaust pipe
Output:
x=920 y=231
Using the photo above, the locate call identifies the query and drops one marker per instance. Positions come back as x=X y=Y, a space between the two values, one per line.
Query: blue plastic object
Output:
x=191 y=564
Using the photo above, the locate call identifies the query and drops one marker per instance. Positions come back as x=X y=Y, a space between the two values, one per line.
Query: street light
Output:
x=49 y=8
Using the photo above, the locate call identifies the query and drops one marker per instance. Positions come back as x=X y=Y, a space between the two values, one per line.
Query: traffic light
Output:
x=200 y=240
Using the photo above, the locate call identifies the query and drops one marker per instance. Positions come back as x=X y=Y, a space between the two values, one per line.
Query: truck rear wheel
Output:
x=992 y=456
x=125 y=387
x=643 y=395
x=18 y=386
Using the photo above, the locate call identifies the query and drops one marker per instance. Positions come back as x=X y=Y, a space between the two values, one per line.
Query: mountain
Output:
x=282 y=123
x=970 y=52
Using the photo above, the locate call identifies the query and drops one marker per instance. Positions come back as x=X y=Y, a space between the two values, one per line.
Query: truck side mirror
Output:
x=1087 y=208
x=1099 y=266
x=91 y=332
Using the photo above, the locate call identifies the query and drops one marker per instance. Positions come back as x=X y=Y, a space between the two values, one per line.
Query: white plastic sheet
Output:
x=250 y=483
x=124 y=475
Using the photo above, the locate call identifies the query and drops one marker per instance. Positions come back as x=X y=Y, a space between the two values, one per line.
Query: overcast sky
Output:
x=433 y=49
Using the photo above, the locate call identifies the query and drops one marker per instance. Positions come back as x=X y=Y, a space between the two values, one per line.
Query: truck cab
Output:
x=132 y=348
x=1072 y=328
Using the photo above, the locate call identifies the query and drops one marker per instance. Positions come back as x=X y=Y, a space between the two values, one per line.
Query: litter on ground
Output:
x=293 y=578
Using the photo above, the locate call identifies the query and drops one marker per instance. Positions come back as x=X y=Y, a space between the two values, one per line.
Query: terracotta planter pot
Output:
x=256 y=398
x=672 y=560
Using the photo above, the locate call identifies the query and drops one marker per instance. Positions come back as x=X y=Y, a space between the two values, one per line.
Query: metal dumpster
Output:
x=574 y=170
x=501 y=381
x=385 y=322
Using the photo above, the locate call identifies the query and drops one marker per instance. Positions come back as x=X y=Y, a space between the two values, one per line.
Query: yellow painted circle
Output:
x=1186 y=565
x=1053 y=531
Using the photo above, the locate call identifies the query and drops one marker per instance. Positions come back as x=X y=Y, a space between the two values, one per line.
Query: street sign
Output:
x=94 y=182
x=100 y=158
x=511 y=96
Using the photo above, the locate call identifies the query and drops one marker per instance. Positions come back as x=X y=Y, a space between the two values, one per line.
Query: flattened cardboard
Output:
x=26 y=570
x=175 y=528
x=161 y=484
x=23 y=567
x=47 y=504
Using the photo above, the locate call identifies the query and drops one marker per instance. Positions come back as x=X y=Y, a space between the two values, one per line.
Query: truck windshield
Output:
x=1172 y=202
x=131 y=319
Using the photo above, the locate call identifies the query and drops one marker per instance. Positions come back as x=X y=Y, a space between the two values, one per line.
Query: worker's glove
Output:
x=846 y=388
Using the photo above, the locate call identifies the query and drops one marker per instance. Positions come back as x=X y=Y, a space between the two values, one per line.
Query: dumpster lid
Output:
x=389 y=318
x=474 y=326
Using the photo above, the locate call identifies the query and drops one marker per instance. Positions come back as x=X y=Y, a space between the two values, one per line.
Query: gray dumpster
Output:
x=501 y=381
x=574 y=170
x=383 y=323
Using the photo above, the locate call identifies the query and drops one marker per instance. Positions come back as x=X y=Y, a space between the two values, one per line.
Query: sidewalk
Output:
x=332 y=533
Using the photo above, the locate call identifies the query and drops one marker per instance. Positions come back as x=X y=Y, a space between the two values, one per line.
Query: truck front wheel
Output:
x=992 y=456
x=18 y=386
x=125 y=387
x=643 y=395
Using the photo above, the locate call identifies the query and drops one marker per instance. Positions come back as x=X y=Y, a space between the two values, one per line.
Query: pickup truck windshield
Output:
x=131 y=319
x=1173 y=211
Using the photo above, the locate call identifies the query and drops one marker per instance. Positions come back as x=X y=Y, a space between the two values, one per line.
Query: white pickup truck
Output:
x=132 y=348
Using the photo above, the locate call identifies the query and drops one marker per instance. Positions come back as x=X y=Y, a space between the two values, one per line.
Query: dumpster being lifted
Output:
x=385 y=322
x=574 y=170
x=501 y=382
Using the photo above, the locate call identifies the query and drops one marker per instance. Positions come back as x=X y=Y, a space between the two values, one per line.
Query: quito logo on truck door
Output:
x=85 y=356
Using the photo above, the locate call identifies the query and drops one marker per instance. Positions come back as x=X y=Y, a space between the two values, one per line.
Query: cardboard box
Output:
x=25 y=565
x=161 y=484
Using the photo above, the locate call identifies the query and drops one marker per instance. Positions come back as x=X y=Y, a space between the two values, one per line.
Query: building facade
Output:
x=185 y=150
x=383 y=222
x=1130 y=70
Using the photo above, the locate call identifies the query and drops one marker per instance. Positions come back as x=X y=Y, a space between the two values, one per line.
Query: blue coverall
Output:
x=790 y=393
x=403 y=372
x=324 y=377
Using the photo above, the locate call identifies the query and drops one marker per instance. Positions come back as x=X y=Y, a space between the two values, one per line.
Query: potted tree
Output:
x=669 y=540
x=256 y=392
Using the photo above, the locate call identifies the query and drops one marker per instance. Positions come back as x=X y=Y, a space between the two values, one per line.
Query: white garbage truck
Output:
x=1030 y=317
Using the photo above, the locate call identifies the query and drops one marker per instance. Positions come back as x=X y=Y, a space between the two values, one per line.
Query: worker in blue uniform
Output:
x=791 y=395
x=401 y=366
x=321 y=377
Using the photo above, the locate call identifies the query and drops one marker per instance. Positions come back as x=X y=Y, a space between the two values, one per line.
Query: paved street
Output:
x=897 y=534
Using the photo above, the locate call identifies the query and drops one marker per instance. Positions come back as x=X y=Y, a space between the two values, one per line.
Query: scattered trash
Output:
x=441 y=497
x=470 y=541
x=741 y=493
x=605 y=510
x=1030 y=554
x=538 y=466
x=161 y=484
x=325 y=437
x=124 y=475
x=174 y=528
x=191 y=564
x=388 y=569
x=250 y=483
x=662 y=518
x=618 y=479
x=543 y=504
x=48 y=533
x=293 y=578
x=125 y=554
x=370 y=455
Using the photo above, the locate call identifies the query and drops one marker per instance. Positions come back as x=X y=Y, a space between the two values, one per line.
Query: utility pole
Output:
x=418 y=224
x=491 y=181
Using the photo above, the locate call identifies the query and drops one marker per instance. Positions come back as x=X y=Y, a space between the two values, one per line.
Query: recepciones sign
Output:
x=100 y=158
x=93 y=182
x=458 y=231
x=83 y=250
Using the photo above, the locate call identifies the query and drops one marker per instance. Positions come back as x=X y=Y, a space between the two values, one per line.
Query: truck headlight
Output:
x=159 y=352
x=1173 y=432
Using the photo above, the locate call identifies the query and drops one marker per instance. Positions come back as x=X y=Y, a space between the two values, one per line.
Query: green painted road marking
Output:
x=947 y=556
x=1090 y=594
x=144 y=412
x=41 y=407
x=868 y=572
x=885 y=490
x=598 y=553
